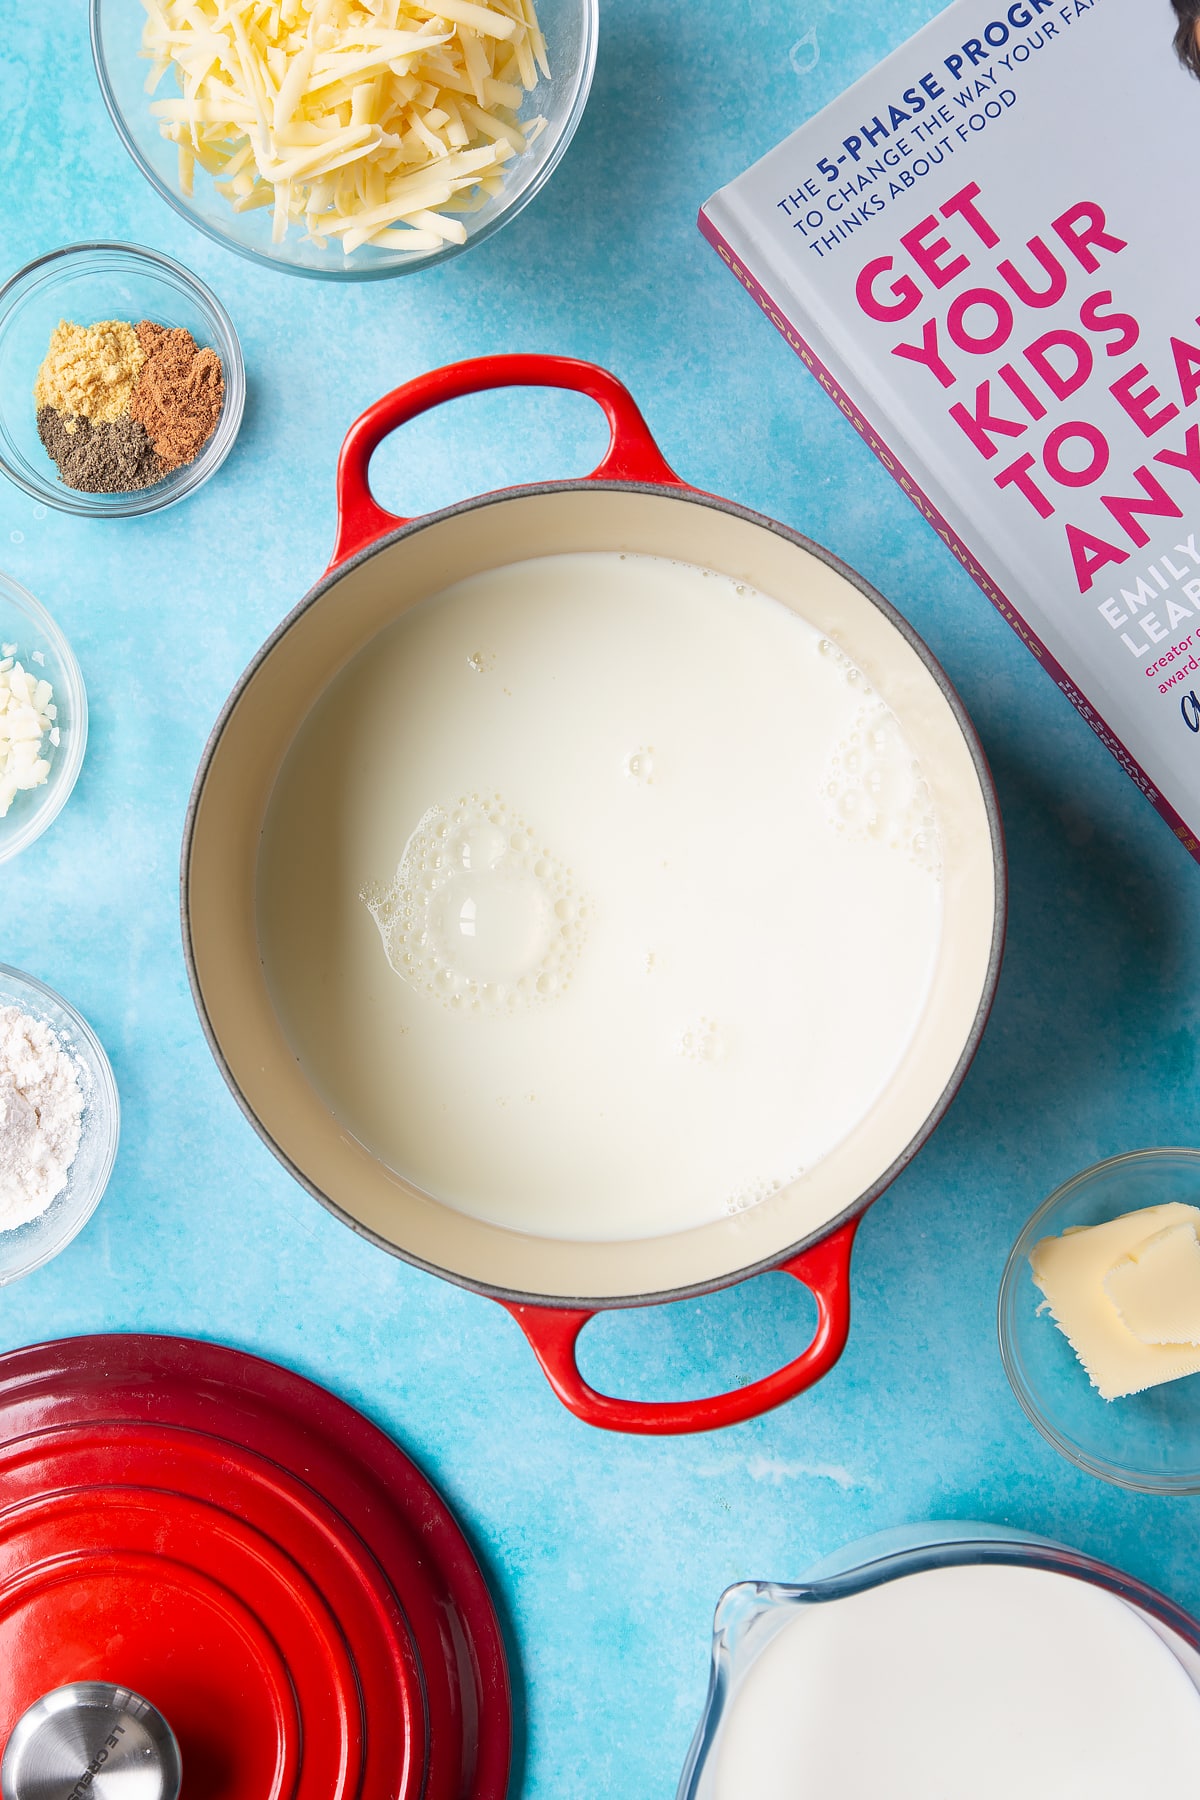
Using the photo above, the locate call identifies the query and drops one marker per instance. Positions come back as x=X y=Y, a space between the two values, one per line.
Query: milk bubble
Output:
x=701 y=1042
x=759 y=1188
x=874 y=788
x=479 y=914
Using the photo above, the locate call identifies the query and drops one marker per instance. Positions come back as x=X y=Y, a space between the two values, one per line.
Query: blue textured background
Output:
x=607 y=1554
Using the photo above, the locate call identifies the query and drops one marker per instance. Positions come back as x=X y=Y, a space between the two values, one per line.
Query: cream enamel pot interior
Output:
x=383 y=565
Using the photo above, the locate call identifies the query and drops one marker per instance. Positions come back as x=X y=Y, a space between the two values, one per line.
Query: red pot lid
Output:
x=257 y=1560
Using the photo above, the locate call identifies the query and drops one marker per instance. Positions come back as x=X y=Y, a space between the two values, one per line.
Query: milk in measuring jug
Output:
x=975 y=1683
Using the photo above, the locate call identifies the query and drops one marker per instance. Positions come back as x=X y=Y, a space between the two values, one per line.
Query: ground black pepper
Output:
x=99 y=459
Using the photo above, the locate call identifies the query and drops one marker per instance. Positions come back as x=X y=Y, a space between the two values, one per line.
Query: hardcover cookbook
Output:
x=1022 y=355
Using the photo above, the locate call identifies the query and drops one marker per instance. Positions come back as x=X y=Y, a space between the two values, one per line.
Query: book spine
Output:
x=949 y=536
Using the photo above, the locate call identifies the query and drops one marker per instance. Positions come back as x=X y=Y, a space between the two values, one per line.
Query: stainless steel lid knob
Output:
x=91 y=1741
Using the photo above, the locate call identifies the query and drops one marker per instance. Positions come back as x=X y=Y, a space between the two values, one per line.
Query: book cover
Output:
x=986 y=252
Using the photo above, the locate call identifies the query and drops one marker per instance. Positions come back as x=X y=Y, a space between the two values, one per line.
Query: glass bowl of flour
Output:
x=59 y=1123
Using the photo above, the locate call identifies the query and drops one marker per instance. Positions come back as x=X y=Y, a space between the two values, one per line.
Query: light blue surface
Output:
x=607 y=1554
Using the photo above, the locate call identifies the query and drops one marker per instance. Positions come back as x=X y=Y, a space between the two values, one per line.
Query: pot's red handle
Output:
x=632 y=453
x=825 y=1271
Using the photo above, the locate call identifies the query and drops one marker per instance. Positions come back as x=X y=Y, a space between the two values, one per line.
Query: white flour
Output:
x=41 y=1113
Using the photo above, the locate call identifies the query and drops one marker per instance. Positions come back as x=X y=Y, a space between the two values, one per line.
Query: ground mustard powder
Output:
x=90 y=371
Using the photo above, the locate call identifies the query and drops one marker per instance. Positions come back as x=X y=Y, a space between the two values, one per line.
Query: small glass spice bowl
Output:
x=1149 y=1442
x=24 y=1248
x=40 y=647
x=86 y=283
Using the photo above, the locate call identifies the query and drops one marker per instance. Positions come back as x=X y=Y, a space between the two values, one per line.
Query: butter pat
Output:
x=1156 y=1288
x=1072 y=1272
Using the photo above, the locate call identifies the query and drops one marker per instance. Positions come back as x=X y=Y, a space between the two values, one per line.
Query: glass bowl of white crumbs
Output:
x=43 y=719
x=59 y=1123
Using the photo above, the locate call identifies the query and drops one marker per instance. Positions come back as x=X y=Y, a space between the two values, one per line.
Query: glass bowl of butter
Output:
x=1099 y=1320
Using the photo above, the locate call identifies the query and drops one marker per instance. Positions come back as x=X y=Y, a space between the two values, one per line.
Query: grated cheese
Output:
x=27 y=714
x=362 y=120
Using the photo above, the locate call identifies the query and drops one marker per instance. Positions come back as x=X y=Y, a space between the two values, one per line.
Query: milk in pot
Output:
x=600 y=896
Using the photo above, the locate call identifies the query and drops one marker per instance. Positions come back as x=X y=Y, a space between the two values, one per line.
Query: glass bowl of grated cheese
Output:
x=61 y=1113
x=347 y=139
x=33 y=652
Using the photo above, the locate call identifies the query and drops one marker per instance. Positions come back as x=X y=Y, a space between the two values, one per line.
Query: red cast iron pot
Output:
x=382 y=565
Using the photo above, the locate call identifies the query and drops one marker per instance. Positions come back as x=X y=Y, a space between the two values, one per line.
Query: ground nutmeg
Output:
x=179 y=393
